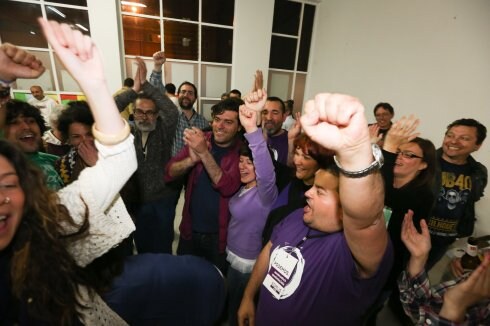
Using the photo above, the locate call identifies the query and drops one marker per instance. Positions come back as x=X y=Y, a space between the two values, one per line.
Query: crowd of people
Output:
x=308 y=219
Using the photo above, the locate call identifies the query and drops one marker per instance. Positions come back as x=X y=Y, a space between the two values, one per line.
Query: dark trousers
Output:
x=439 y=247
x=155 y=225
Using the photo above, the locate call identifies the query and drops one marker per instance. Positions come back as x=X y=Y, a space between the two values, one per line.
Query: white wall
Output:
x=104 y=25
x=430 y=58
x=251 y=41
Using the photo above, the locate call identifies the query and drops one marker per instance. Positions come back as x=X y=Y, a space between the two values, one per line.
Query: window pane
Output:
x=217 y=44
x=299 y=92
x=72 y=2
x=131 y=67
x=306 y=31
x=215 y=80
x=77 y=17
x=65 y=80
x=152 y=7
x=141 y=36
x=46 y=80
x=218 y=11
x=280 y=84
x=283 y=52
x=286 y=17
x=180 y=40
x=18 y=24
x=206 y=106
x=179 y=72
x=181 y=9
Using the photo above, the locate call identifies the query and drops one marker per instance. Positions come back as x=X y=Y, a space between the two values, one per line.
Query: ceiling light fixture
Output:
x=82 y=27
x=53 y=9
x=134 y=4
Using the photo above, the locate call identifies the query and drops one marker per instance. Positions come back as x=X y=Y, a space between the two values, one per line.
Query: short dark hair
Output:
x=145 y=96
x=235 y=91
x=190 y=84
x=15 y=108
x=129 y=82
x=481 y=130
x=229 y=104
x=76 y=111
x=289 y=105
x=245 y=150
x=277 y=99
x=384 y=105
x=170 y=88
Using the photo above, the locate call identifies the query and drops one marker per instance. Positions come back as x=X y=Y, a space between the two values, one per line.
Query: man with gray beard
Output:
x=151 y=201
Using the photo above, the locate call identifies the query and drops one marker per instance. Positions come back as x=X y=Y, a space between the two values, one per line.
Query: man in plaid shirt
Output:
x=464 y=301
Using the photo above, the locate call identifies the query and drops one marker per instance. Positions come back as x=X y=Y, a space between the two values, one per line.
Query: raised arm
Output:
x=81 y=57
x=156 y=74
x=264 y=168
x=338 y=122
x=15 y=63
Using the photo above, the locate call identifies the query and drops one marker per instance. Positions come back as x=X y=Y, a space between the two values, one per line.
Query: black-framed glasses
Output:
x=408 y=155
x=147 y=114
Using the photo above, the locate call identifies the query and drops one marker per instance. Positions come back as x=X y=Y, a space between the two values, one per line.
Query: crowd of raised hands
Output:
x=334 y=121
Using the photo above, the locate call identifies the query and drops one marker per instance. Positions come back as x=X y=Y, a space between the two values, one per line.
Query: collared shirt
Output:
x=423 y=303
x=183 y=123
x=196 y=120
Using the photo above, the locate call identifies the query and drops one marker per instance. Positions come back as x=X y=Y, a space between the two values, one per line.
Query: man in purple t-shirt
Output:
x=315 y=268
x=273 y=116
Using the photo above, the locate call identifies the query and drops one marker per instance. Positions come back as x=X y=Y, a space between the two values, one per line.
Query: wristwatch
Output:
x=376 y=165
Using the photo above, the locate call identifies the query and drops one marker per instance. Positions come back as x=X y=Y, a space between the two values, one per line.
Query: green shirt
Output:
x=46 y=163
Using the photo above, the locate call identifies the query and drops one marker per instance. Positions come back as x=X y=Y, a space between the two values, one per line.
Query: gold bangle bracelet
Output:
x=106 y=139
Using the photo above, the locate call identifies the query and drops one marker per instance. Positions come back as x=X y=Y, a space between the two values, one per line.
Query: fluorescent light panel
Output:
x=53 y=9
x=134 y=4
x=82 y=27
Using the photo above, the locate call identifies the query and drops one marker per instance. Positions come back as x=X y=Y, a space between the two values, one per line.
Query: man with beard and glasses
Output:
x=187 y=96
x=147 y=196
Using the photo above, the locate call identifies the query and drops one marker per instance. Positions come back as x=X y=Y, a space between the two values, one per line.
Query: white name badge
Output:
x=286 y=266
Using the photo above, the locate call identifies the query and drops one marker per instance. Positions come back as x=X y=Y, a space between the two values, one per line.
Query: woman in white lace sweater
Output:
x=46 y=238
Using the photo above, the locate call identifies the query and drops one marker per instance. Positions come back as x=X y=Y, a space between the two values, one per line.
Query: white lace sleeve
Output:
x=96 y=194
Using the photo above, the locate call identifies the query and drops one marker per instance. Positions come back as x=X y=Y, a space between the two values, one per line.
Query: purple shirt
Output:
x=249 y=211
x=279 y=144
x=331 y=291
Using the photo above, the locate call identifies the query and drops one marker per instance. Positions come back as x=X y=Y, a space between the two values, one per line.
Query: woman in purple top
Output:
x=250 y=206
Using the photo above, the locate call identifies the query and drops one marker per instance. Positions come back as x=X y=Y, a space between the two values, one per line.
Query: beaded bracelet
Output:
x=108 y=140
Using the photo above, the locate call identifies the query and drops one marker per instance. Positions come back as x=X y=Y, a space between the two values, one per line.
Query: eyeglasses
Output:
x=147 y=114
x=408 y=155
x=183 y=92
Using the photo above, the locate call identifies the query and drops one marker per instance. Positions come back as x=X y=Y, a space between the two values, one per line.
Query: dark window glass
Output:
x=72 y=2
x=286 y=17
x=181 y=9
x=151 y=7
x=76 y=17
x=18 y=24
x=218 y=11
x=283 y=52
x=180 y=40
x=217 y=44
x=141 y=35
x=306 y=31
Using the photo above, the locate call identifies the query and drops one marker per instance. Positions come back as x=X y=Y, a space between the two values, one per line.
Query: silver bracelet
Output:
x=376 y=165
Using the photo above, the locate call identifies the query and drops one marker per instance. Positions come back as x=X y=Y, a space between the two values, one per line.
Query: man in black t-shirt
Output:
x=460 y=181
